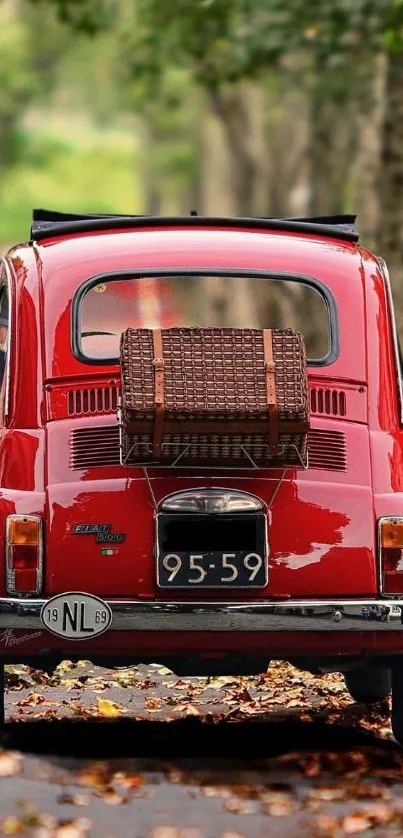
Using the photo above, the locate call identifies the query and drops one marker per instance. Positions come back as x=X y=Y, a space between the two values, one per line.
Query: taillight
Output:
x=391 y=554
x=24 y=551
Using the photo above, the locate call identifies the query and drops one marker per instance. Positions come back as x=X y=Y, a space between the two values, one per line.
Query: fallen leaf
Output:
x=32 y=700
x=74 y=799
x=10 y=764
x=128 y=781
x=73 y=829
x=151 y=703
x=94 y=776
x=72 y=684
x=220 y=681
x=14 y=681
x=236 y=806
x=12 y=826
x=108 y=709
x=280 y=810
x=325 y=825
x=65 y=666
x=355 y=823
x=113 y=798
x=192 y=711
x=325 y=793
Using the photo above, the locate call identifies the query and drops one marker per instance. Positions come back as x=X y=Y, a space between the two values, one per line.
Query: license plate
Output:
x=76 y=616
x=211 y=551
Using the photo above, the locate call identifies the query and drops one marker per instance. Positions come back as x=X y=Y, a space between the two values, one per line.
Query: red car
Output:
x=122 y=563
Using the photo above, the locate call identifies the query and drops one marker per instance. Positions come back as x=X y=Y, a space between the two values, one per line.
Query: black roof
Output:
x=47 y=224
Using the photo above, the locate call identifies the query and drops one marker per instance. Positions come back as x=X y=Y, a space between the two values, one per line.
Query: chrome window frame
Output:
x=113 y=276
x=395 y=338
x=7 y=373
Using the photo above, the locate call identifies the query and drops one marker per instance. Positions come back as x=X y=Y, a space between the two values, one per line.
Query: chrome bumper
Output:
x=290 y=616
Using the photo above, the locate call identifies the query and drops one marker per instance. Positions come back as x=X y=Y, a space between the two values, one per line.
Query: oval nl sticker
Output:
x=76 y=616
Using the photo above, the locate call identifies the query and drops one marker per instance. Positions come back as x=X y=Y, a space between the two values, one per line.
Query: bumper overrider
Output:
x=291 y=616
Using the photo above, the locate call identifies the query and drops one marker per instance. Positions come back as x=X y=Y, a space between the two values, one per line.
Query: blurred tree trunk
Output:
x=151 y=187
x=191 y=195
x=240 y=110
x=390 y=242
x=333 y=136
x=287 y=103
x=216 y=168
x=234 y=183
x=364 y=197
x=229 y=108
x=320 y=202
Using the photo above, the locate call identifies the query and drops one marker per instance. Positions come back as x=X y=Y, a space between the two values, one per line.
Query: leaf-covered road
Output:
x=140 y=752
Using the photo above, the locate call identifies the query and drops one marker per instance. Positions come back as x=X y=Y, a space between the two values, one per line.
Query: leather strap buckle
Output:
x=270 y=369
x=159 y=401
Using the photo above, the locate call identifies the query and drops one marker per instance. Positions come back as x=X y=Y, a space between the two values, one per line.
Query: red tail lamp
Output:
x=391 y=554
x=24 y=554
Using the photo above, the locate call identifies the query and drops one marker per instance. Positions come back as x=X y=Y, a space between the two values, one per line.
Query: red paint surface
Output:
x=322 y=525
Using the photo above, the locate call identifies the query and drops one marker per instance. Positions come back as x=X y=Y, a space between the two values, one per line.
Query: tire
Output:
x=369 y=684
x=2 y=708
x=397 y=702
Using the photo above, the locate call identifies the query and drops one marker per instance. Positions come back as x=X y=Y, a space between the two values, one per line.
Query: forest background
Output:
x=230 y=107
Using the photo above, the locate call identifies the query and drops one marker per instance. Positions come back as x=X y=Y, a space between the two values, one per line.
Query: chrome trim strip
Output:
x=7 y=373
x=223 y=489
x=394 y=335
x=363 y=615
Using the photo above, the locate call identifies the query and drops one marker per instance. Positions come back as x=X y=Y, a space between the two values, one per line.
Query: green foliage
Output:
x=84 y=170
x=220 y=41
x=87 y=16
x=30 y=46
x=224 y=41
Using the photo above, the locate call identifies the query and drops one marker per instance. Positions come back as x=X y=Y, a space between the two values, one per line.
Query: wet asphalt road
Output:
x=280 y=755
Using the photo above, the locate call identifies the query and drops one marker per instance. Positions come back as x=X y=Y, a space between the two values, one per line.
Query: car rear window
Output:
x=103 y=309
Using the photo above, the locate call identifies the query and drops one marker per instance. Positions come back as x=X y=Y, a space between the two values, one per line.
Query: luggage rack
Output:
x=175 y=462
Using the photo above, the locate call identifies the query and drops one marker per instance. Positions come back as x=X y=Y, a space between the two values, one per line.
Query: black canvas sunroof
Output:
x=48 y=224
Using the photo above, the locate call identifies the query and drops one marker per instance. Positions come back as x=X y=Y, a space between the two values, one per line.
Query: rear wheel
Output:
x=369 y=684
x=397 y=702
x=2 y=709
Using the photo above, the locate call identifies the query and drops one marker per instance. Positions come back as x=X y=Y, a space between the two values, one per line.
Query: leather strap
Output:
x=270 y=368
x=158 y=364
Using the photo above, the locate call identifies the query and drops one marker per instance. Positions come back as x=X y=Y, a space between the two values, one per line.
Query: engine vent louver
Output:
x=324 y=401
x=328 y=402
x=92 y=447
x=84 y=401
x=327 y=450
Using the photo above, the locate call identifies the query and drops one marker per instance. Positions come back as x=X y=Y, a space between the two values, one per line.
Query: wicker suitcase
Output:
x=214 y=397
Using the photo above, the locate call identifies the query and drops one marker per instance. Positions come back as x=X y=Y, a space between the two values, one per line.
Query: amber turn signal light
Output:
x=391 y=533
x=24 y=554
x=23 y=530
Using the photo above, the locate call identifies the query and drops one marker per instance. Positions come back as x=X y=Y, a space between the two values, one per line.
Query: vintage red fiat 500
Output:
x=208 y=570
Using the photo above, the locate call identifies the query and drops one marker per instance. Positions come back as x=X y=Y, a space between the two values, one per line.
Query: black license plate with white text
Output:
x=211 y=551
